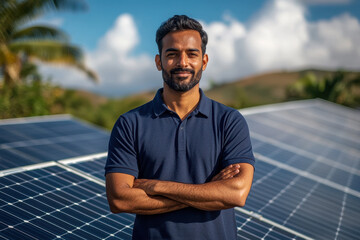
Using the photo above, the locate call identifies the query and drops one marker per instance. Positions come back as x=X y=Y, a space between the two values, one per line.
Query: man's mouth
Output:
x=180 y=72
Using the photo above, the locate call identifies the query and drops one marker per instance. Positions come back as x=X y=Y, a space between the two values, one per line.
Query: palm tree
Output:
x=335 y=88
x=21 y=42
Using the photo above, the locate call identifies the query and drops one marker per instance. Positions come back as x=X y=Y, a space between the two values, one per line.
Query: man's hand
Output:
x=228 y=172
x=146 y=184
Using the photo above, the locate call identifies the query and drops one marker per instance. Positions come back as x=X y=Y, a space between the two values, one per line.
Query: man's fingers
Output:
x=227 y=172
x=230 y=174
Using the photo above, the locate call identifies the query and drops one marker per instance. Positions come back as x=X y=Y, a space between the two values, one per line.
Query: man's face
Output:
x=181 y=60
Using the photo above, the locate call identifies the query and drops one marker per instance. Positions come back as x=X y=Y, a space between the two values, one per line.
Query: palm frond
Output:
x=48 y=51
x=54 y=52
x=15 y=13
x=91 y=74
x=32 y=8
x=39 y=33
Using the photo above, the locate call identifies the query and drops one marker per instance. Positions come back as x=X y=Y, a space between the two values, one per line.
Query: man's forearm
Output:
x=209 y=196
x=226 y=191
x=124 y=198
x=138 y=202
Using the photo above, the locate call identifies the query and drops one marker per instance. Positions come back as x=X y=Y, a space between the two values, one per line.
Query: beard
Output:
x=178 y=84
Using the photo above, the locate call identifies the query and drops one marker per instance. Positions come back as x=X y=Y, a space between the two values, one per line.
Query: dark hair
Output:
x=177 y=23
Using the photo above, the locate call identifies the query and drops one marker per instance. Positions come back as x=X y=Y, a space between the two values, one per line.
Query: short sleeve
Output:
x=237 y=145
x=122 y=157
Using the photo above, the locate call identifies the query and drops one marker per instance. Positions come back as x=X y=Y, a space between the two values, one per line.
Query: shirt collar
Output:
x=203 y=108
x=159 y=105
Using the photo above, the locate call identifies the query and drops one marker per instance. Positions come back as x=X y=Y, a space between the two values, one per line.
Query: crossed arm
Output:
x=227 y=189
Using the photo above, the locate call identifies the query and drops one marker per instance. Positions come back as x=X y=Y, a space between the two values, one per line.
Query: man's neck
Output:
x=183 y=103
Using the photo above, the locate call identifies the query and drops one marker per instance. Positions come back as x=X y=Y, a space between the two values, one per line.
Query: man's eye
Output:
x=170 y=55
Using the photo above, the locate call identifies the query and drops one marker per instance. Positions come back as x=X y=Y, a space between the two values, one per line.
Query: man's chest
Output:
x=185 y=151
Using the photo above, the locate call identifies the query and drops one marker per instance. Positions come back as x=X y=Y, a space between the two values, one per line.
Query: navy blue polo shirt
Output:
x=152 y=142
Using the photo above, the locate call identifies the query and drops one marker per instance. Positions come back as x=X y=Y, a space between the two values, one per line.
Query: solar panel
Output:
x=39 y=139
x=49 y=201
x=307 y=172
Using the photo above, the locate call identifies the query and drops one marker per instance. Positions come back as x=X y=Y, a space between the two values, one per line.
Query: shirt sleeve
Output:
x=122 y=157
x=237 y=145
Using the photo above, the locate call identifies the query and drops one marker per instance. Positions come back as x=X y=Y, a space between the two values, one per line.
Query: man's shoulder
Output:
x=137 y=114
x=222 y=110
x=143 y=110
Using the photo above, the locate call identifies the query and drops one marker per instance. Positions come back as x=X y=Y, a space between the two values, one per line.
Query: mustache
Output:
x=175 y=70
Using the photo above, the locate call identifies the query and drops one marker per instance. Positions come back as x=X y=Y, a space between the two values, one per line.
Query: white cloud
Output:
x=334 y=43
x=273 y=40
x=276 y=38
x=120 y=72
x=279 y=37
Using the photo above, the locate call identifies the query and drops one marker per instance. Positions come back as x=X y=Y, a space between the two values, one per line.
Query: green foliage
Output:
x=35 y=97
x=108 y=113
x=339 y=87
x=23 y=100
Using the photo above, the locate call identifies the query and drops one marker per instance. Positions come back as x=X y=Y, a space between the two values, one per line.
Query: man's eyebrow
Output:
x=193 y=50
x=171 y=50
x=176 y=50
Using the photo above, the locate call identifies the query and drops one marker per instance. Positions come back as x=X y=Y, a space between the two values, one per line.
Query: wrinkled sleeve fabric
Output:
x=237 y=145
x=122 y=157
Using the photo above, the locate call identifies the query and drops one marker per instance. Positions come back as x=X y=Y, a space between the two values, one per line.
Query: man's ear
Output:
x=158 y=62
x=205 y=61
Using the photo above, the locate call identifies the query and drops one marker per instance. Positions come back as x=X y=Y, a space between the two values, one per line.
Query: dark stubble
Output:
x=178 y=84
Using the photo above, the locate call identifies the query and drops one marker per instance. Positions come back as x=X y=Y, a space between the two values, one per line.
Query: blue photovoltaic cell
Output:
x=33 y=141
x=52 y=202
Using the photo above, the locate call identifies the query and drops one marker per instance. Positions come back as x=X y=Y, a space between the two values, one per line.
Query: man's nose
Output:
x=183 y=60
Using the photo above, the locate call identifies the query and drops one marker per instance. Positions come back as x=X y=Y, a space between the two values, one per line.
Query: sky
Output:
x=245 y=37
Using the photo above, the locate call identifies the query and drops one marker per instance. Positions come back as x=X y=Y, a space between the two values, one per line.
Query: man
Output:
x=182 y=161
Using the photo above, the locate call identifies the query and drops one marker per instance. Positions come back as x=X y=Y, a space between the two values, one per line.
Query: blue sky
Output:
x=245 y=37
